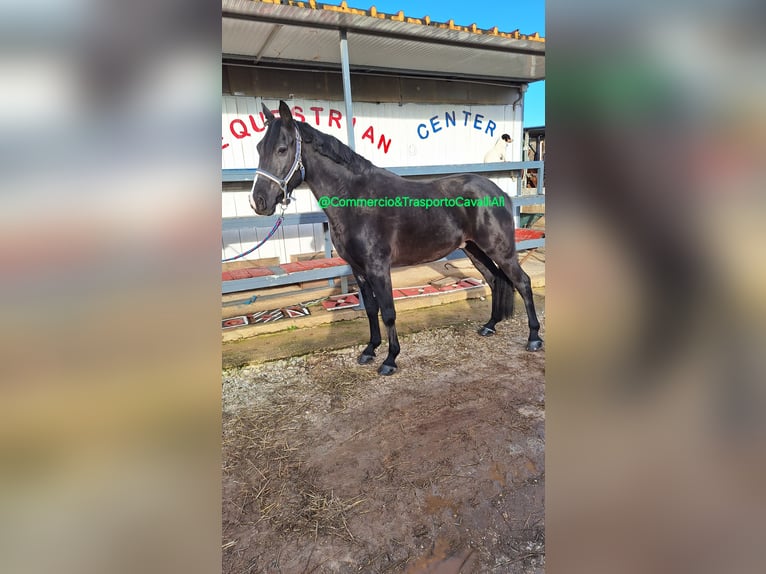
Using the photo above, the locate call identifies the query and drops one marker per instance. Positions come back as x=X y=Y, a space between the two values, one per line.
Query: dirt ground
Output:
x=329 y=467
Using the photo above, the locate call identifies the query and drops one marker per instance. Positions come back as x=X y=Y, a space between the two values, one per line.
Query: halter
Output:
x=282 y=183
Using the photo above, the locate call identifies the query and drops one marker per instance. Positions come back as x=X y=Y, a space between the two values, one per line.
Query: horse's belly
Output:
x=425 y=254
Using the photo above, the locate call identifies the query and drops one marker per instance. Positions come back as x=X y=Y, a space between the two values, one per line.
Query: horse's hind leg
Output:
x=381 y=285
x=507 y=273
x=492 y=275
x=371 y=306
x=523 y=285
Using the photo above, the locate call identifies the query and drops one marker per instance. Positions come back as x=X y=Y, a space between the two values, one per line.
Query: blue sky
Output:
x=508 y=15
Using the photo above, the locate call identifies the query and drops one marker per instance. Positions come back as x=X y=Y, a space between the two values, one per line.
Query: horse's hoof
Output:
x=534 y=345
x=386 y=370
x=486 y=332
x=365 y=359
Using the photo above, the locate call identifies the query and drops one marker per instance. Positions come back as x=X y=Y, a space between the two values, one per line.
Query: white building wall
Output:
x=388 y=134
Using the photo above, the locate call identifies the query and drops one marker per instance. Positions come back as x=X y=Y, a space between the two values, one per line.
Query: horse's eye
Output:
x=282 y=150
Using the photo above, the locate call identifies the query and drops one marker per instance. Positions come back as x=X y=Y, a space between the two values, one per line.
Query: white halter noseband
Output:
x=282 y=182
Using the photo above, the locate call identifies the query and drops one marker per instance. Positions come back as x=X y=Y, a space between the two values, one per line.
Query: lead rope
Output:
x=279 y=221
x=282 y=183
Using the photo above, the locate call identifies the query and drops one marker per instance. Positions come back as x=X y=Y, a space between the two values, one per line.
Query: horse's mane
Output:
x=332 y=148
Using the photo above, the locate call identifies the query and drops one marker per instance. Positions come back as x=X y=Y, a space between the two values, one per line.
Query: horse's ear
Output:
x=284 y=114
x=267 y=113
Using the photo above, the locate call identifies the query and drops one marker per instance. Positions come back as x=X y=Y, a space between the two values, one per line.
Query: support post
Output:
x=327 y=247
x=347 y=89
x=523 y=93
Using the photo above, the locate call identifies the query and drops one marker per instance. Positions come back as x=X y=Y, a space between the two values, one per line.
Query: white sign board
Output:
x=388 y=134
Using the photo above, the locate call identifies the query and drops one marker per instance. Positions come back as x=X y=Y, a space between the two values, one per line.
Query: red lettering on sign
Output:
x=335 y=116
x=255 y=127
x=243 y=133
x=316 y=111
x=382 y=142
x=240 y=128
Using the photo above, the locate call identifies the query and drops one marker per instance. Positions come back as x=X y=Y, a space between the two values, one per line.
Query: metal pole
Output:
x=347 y=88
x=523 y=90
x=349 y=107
x=519 y=182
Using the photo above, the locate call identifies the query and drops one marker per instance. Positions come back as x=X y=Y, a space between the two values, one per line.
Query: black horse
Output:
x=372 y=239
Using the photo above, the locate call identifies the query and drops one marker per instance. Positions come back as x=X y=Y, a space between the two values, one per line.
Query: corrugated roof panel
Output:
x=309 y=32
x=400 y=16
x=244 y=37
x=380 y=52
x=284 y=42
x=312 y=44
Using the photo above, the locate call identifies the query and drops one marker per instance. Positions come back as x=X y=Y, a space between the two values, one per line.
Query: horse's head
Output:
x=280 y=168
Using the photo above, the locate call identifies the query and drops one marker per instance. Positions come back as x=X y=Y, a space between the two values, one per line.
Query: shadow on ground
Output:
x=329 y=467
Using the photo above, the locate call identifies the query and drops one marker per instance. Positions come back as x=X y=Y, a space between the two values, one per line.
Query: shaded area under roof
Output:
x=306 y=34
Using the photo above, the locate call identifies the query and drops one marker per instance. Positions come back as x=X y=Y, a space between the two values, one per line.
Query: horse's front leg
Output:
x=381 y=286
x=371 y=306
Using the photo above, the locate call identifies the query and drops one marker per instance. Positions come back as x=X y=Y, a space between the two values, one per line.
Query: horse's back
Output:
x=470 y=183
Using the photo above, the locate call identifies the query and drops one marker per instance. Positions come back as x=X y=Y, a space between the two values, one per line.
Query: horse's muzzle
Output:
x=258 y=204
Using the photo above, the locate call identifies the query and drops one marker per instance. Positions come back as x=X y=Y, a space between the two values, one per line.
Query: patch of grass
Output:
x=267 y=480
x=328 y=513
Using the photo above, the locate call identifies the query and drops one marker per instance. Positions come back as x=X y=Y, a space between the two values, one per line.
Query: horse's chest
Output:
x=357 y=238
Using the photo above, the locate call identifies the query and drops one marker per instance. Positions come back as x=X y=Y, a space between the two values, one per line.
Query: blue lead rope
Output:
x=249 y=251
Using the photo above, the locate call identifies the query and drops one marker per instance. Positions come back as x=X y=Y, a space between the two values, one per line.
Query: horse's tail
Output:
x=503 y=295
x=500 y=283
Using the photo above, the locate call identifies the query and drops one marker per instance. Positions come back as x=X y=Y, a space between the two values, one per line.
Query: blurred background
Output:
x=110 y=210
x=656 y=287
x=110 y=344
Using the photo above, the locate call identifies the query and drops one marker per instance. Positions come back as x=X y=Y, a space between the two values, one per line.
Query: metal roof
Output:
x=287 y=33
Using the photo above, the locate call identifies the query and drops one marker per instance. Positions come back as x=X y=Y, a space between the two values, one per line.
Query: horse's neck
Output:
x=327 y=178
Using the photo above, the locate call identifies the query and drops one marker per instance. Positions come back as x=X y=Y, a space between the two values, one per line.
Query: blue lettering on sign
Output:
x=450 y=121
